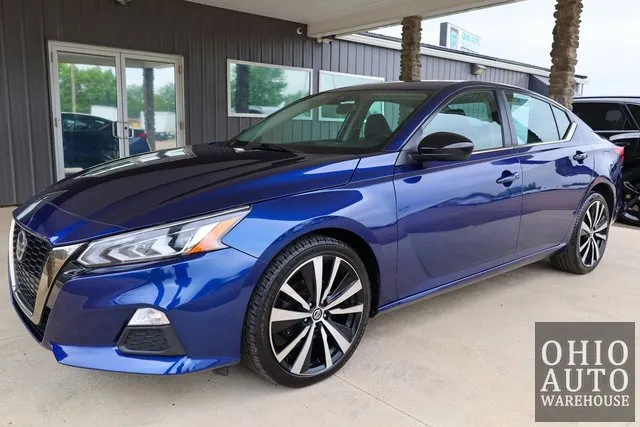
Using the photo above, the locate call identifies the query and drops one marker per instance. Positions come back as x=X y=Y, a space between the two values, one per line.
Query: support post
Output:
x=149 y=107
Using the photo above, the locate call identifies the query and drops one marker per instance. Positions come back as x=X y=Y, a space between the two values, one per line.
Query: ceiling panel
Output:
x=336 y=17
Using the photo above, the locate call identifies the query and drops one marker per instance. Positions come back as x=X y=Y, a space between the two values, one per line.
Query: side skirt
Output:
x=460 y=283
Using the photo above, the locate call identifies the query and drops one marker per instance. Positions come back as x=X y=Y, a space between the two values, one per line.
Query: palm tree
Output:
x=410 y=53
x=564 y=55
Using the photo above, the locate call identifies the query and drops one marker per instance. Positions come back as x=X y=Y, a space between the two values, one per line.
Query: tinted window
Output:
x=100 y=123
x=67 y=123
x=75 y=122
x=602 y=116
x=532 y=118
x=635 y=112
x=562 y=120
x=363 y=122
x=473 y=115
x=391 y=111
x=84 y=123
x=329 y=80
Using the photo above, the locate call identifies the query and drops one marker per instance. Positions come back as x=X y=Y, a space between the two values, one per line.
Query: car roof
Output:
x=428 y=85
x=435 y=85
x=631 y=99
x=68 y=113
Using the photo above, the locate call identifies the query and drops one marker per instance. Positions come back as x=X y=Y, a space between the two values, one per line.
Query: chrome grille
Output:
x=28 y=271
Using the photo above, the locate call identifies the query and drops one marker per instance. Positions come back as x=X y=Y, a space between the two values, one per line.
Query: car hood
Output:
x=169 y=185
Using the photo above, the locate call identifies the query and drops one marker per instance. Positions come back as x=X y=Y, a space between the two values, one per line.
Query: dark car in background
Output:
x=618 y=120
x=91 y=140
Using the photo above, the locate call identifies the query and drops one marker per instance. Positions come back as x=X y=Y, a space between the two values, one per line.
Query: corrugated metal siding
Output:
x=205 y=36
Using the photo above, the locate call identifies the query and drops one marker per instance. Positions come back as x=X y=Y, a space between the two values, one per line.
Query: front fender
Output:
x=367 y=211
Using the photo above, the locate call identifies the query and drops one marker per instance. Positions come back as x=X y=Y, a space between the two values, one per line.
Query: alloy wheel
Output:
x=594 y=231
x=316 y=315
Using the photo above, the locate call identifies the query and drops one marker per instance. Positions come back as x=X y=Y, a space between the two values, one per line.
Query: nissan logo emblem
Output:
x=21 y=245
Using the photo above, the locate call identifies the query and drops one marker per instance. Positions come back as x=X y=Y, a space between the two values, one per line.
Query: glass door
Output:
x=87 y=123
x=109 y=104
x=151 y=101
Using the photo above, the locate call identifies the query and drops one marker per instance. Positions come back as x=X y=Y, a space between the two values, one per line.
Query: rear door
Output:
x=458 y=218
x=556 y=170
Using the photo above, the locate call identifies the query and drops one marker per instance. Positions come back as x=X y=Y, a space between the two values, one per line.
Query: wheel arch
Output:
x=606 y=188
x=353 y=234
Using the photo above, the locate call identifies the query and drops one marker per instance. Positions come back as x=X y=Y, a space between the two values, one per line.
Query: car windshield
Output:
x=357 y=121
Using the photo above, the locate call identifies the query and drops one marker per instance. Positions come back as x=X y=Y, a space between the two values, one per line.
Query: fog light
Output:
x=148 y=317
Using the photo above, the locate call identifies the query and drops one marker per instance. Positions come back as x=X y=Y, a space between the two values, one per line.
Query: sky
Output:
x=523 y=32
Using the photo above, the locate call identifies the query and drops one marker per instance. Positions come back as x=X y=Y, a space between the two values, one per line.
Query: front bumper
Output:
x=204 y=297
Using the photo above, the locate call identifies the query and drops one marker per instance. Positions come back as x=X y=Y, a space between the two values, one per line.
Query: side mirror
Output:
x=443 y=146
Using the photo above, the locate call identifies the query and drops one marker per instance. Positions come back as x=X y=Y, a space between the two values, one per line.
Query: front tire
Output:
x=308 y=313
x=588 y=240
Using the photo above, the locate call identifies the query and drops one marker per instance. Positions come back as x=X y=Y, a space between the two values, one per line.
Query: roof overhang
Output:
x=337 y=17
x=457 y=56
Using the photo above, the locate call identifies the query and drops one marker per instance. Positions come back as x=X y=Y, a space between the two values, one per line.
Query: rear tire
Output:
x=588 y=240
x=297 y=334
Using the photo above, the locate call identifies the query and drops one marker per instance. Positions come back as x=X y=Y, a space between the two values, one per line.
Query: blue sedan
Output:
x=277 y=246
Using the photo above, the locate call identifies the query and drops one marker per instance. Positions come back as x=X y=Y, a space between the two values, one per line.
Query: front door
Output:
x=110 y=103
x=456 y=219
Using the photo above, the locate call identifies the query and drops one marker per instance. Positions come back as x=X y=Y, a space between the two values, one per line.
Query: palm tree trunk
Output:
x=564 y=53
x=410 y=54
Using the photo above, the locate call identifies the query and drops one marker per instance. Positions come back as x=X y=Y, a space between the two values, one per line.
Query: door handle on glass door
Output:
x=508 y=177
x=580 y=156
x=114 y=129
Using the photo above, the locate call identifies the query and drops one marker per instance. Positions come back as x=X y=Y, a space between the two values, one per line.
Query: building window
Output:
x=257 y=90
x=329 y=80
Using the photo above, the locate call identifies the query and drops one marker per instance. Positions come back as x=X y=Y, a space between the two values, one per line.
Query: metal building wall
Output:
x=204 y=35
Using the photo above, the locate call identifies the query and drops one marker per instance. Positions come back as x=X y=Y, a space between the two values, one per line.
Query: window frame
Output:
x=230 y=113
x=373 y=79
x=514 y=139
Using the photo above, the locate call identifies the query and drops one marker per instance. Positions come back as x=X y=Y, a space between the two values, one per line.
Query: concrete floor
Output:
x=462 y=359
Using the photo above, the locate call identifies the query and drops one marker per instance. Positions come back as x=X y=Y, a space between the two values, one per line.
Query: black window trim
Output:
x=623 y=108
x=507 y=141
x=569 y=135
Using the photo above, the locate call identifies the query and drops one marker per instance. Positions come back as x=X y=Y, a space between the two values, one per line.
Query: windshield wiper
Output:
x=264 y=147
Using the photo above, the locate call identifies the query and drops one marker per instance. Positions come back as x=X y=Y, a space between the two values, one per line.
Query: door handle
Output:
x=114 y=129
x=579 y=156
x=508 y=179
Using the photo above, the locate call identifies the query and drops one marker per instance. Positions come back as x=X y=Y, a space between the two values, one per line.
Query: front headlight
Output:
x=185 y=237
